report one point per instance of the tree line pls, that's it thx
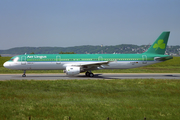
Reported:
(87, 49)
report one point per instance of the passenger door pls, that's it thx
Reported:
(58, 59)
(144, 58)
(23, 60)
(100, 58)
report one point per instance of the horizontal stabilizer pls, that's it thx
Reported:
(163, 58)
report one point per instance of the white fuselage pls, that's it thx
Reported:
(51, 65)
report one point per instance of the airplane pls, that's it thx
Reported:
(73, 64)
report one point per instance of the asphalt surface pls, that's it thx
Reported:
(104, 76)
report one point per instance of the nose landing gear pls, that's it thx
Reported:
(24, 74)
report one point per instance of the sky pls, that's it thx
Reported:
(65, 23)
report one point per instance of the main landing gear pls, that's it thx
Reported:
(24, 74)
(89, 74)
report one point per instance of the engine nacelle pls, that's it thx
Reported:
(72, 71)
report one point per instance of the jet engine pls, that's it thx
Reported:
(72, 71)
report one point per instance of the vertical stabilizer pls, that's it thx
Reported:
(159, 46)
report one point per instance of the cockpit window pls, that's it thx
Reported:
(11, 59)
(16, 59)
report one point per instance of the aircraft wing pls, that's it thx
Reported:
(97, 63)
(93, 65)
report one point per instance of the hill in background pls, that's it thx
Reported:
(88, 49)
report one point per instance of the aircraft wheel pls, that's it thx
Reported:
(87, 74)
(91, 75)
(23, 75)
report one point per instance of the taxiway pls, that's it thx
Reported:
(104, 76)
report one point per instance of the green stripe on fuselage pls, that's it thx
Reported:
(88, 57)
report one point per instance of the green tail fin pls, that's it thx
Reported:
(159, 46)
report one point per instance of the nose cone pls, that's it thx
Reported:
(6, 64)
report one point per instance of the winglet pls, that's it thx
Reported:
(159, 46)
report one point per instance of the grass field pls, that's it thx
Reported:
(170, 66)
(124, 99)
(90, 99)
